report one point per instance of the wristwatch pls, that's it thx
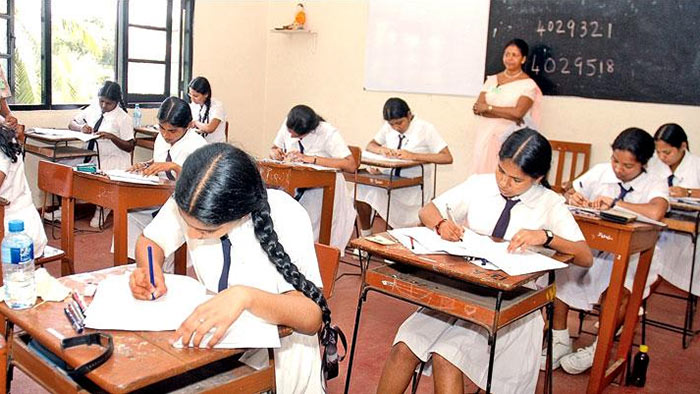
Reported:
(550, 237)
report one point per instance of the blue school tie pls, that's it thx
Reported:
(226, 248)
(91, 144)
(397, 171)
(301, 148)
(300, 191)
(670, 180)
(623, 192)
(502, 224)
(169, 174)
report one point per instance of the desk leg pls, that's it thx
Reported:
(324, 233)
(388, 205)
(689, 310)
(550, 323)
(67, 235)
(9, 332)
(356, 329)
(120, 236)
(606, 334)
(492, 340)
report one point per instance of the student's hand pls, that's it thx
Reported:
(374, 170)
(384, 151)
(155, 168)
(86, 129)
(602, 203)
(192, 125)
(480, 108)
(677, 191)
(577, 199)
(140, 283)
(219, 313)
(11, 121)
(298, 157)
(276, 154)
(451, 231)
(404, 154)
(526, 238)
(139, 167)
(106, 135)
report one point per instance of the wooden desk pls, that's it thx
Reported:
(100, 190)
(57, 148)
(150, 133)
(141, 360)
(684, 219)
(290, 177)
(389, 181)
(449, 284)
(623, 240)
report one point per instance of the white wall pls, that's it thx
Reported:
(260, 75)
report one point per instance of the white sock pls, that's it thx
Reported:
(366, 233)
(561, 335)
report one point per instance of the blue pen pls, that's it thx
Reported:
(150, 269)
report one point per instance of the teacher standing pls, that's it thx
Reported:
(508, 102)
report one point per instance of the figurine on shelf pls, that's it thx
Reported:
(299, 19)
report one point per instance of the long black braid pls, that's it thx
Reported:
(220, 183)
(8, 143)
(201, 85)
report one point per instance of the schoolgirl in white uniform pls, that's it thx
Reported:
(251, 245)
(680, 169)
(403, 136)
(173, 145)
(623, 182)
(107, 118)
(15, 189)
(538, 216)
(306, 137)
(208, 114)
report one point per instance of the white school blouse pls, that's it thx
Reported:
(421, 137)
(216, 111)
(581, 288)
(298, 361)
(117, 122)
(15, 189)
(478, 203)
(674, 251)
(324, 141)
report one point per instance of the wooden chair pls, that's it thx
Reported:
(56, 179)
(328, 261)
(574, 150)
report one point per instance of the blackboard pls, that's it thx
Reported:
(629, 50)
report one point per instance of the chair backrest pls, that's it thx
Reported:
(328, 262)
(564, 149)
(356, 155)
(55, 178)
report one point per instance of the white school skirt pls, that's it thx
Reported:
(136, 222)
(581, 287)
(343, 212)
(465, 345)
(674, 254)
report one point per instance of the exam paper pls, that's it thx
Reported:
(62, 133)
(426, 241)
(377, 157)
(114, 308)
(132, 177)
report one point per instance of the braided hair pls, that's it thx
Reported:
(112, 91)
(201, 85)
(220, 183)
(8, 143)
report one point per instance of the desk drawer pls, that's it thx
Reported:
(469, 302)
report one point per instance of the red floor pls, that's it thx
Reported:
(672, 369)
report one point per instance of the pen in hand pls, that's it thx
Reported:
(451, 218)
(150, 270)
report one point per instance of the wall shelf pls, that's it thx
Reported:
(303, 31)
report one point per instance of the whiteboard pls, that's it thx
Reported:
(426, 46)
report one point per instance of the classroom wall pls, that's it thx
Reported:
(326, 71)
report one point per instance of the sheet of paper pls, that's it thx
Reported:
(426, 241)
(132, 177)
(687, 200)
(300, 164)
(596, 212)
(62, 133)
(377, 157)
(114, 308)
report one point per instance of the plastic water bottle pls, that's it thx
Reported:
(137, 116)
(18, 267)
(639, 368)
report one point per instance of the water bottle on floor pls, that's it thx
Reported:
(18, 267)
(639, 368)
(137, 115)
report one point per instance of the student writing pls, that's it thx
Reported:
(208, 113)
(252, 246)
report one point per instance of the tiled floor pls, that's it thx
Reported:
(672, 369)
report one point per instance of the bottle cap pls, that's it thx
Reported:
(15, 226)
(643, 348)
